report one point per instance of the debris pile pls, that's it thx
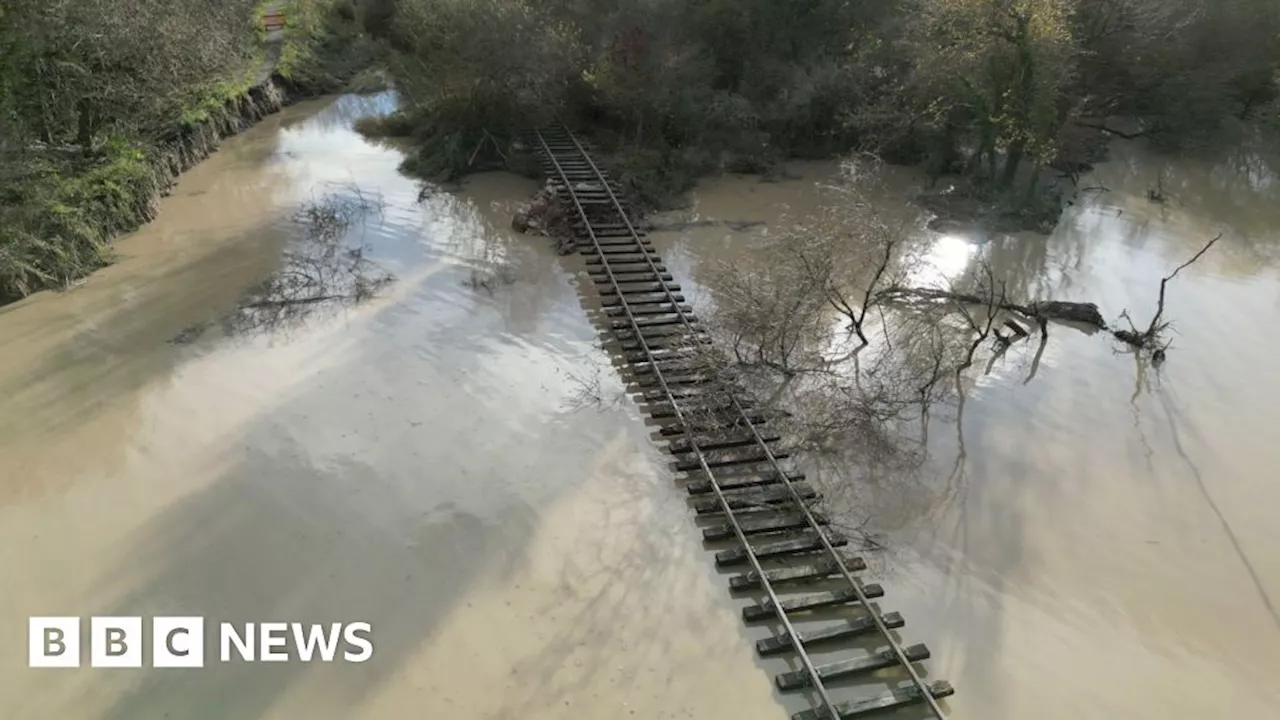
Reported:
(545, 215)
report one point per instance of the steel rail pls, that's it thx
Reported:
(921, 686)
(693, 443)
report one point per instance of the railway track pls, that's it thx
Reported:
(744, 491)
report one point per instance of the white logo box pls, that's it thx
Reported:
(179, 642)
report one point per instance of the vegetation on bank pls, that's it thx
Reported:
(987, 90)
(326, 49)
(91, 93)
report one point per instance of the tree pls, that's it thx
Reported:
(78, 68)
(1181, 66)
(474, 69)
(998, 70)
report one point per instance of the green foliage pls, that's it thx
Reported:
(210, 100)
(493, 64)
(305, 28)
(670, 88)
(655, 178)
(996, 86)
(673, 88)
(476, 74)
(86, 88)
(57, 225)
(666, 89)
(76, 70)
(998, 70)
(90, 88)
(326, 51)
(376, 17)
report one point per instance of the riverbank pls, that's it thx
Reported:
(59, 219)
(986, 102)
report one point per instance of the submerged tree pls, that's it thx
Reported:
(846, 324)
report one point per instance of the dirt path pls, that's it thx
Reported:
(274, 47)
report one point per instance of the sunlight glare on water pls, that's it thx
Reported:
(944, 262)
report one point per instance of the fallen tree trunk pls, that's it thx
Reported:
(1083, 313)
(1041, 312)
(1061, 310)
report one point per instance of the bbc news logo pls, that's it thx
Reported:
(179, 642)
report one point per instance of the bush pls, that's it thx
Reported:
(58, 225)
(327, 51)
(476, 65)
(667, 89)
(88, 91)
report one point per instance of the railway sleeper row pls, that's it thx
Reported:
(642, 288)
(899, 697)
(613, 227)
(744, 481)
(782, 522)
(622, 268)
(808, 543)
(766, 611)
(690, 375)
(627, 245)
(633, 299)
(748, 457)
(607, 229)
(720, 442)
(879, 660)
(660, 337)
(759, 499)
(650, 307)
(715, 423)
(663, 332)
(646, 369)
(620, 255)
(807, 573)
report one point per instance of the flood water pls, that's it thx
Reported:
(434, 461)
(422, 462)
(1096, 538)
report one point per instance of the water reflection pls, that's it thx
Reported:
(944, 262)
(410, 462)
(341, 112)
(1045, 551)
(323, 270)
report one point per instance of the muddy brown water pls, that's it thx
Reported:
(418, 462)
(433, 462)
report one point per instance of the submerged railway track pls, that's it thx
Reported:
(745, 494)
